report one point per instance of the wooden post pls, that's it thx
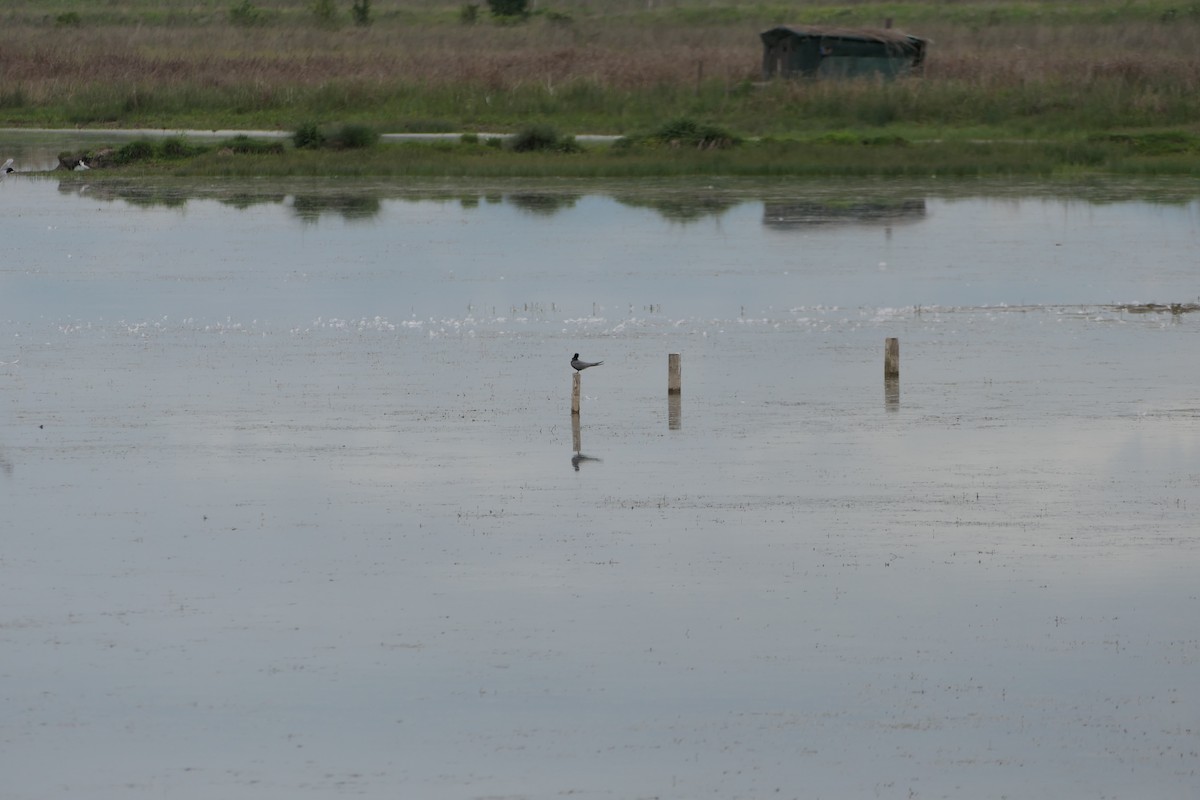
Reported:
(891, 359)
(674, 381)
(576, 438)
(577, 382)
(891, 374)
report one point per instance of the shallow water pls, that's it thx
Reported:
(294, 507)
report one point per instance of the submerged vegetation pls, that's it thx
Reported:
(1097, 84)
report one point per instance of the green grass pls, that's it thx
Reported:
(843, 153)
(1066, 75)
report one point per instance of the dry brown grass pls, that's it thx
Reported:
(48, 67)
(630, 57)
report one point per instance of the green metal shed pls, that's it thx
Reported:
(790, 51)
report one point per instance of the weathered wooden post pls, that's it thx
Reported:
(577, 382)
(891, 374)
(576, 437)
(891, 359)
(674, 393)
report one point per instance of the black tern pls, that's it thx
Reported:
(582, 365)
(7, 168)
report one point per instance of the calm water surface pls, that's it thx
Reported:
(294, 506)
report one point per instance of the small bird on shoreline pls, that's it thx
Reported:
(7, 168)
(582, 365)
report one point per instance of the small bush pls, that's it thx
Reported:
(361, 12)
(246, 15)
(685, 132)
(885, 140)
(509, 9)
(842, 138)
(1153, 143)
(244, 145)
(139, 150)
(69, 19)
(470, 138)
(534, 138)
(348, 137)
(325, 13)
(352, 137)
(469, 13)
(308, 135)
(13, 98)
(567, 144)
(177, 147)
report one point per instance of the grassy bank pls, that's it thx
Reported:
(996, 70)
(680, 148)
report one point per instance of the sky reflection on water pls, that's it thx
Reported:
(292, 508)
(313, 251)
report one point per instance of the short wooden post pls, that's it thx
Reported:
(576, 438)
(891, 359)
(577, 382)
(674, 381)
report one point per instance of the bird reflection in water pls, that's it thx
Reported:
(576, 442)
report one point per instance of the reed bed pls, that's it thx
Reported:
(1010, 69)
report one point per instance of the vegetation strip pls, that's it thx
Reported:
(680, 148)
(1006, 87)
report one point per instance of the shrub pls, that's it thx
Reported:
(176, 147)
(509, 8)
(567, 144)
(354, 137)
(325, 13)
(308, 135)
(246, 15)
(533, 138)
(469, 14)
(843, 138)
(244, 145)
(139, 150)
(349, 137)
(1153, 143)
(361, 12)
(69, 19)
(687, 132)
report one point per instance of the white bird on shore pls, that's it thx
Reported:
(7, 168)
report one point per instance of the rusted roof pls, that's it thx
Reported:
(882, 35)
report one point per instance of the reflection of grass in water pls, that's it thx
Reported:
(682, 199)
(355, 206)
(244, 200)
(679, 207)
(543, 203)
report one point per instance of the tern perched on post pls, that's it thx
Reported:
(582, 365)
